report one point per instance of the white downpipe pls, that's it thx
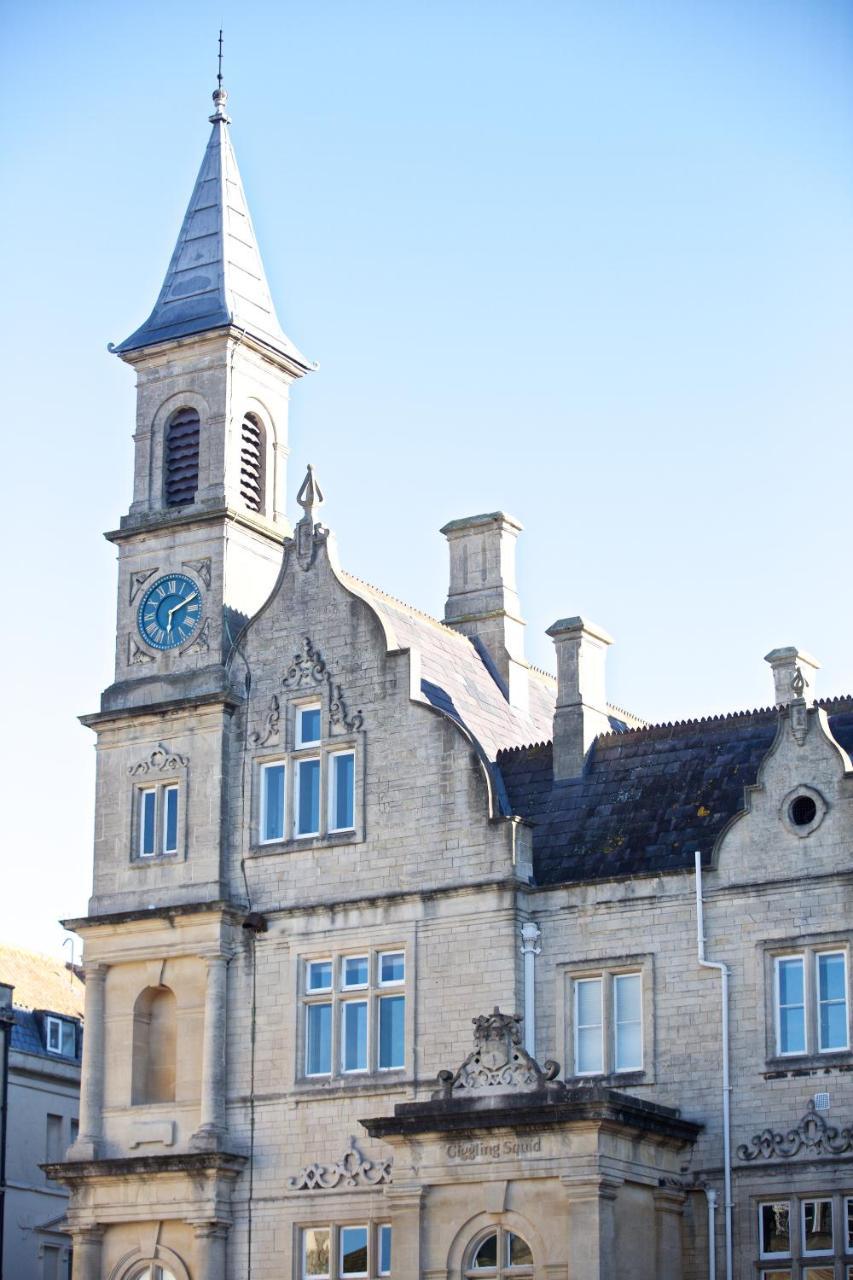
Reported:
(711, 1195)
(530, 949)
(727, 1127)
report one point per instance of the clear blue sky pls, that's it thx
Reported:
(587, 262)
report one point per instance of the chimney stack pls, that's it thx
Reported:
(793, 674)
(581, 711)
(482, 600)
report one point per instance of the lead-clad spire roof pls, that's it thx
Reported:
(216, 277)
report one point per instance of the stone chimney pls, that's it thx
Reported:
(581, 711)
(482, 601)
(793, 674)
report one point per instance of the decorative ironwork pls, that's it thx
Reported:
(161, 760)
(260, 738)
(812, 1135)
(352, 1170)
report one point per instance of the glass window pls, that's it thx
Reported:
(147, 823)
(487, 1254)
(170, 820)
(817, 1226)
(392, 967)
(307, 726)
(848, 1211)
(61, 1037)
(318, 1054)
(818, 1273)
(628, 1022)
(308, 798)
(319, 975)
(353, 1251)
(392, 1035)
(518, 1250)
(776, 1274)
(385, 1250)
(341, 791)
(272, 802)
(832, 1000)
(774, 1225)
(588, 1023)
(354, 1036)
(355, 971)
(316, 1253)
(501, 1253)
(791, 1005)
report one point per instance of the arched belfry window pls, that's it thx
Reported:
(252, 449)
(181, 458)
(155, 1043)
(499, 1254)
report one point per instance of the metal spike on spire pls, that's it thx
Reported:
(220, 95)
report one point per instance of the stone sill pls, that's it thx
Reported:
(334, 840)
(390, 1082)
(807, 1065)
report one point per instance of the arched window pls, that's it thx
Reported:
(155, 1033)
(499, 1253)
(153, 1272)
(181, 458)
(252, 449)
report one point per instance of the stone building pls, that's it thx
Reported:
(394, 957)
(40, 1089)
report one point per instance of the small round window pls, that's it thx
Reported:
(803, 810)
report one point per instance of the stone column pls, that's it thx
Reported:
(211, 1130)
(404, 1204)
(86, 1245)
(210, 1246)
(592, 1226)
(92, 1080)
(669, 1210)
(530, 949)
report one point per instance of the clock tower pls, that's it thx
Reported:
(200, 547)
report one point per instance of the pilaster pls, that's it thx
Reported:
(591, 1226)
(211, 1131)
(87, 1146)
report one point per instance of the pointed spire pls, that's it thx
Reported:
(216, 278)
(310, 495)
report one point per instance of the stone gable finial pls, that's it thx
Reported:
(306, 533)
(310, 495)
(499, 1063)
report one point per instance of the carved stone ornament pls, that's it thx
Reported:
(307, 667)
(136, 656)
(499, 1063)
(338, 715)
(201, 642)
(138, 580)
(261, 737)
(307, 534)
(352, 1170)
(812, 1135)
(161, 760)
(799, 721)
(201, 569)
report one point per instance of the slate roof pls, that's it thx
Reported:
(41, 985)
(215, 277)
(649, 797)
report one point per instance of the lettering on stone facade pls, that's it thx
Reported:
(508, 1148)
(161, 760)
(812, 1135)
(352, 1170)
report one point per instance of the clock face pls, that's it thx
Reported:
(170, 611)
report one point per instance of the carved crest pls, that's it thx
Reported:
(352, 1170)
(499, 1063)
(307, 667)
(812, 1135)
(161, 760)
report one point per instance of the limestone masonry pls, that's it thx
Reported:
(402, 957)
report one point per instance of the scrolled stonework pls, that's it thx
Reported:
(161, 760)
(138, 580)
(260, 737)
(338, 715)
(307, 667)
(201, 642)
(812, 1135)
(352, 1170)
(201, 569)
(499, 1063)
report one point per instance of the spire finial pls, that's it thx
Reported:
(310, 495)
(220, 95)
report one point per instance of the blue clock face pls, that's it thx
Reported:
(170, 611)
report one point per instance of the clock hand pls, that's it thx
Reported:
(179, 605)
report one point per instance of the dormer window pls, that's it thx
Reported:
(181, 458)
(60, 1036)
(252, 449)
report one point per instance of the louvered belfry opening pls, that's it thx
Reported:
(182, 458)
(252, 463)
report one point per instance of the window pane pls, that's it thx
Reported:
(392, 967)
(309, 725)
(343, 774)
(518, 1250)
(392, 1010)
(791, 981)
(832, 1001)
(849, 1209)
(354, 1037)
(589, 1055)
(273, 802)
(627, 1011)
(589, 1002)
(69, 1039)
(384, 1250)
(309, 798)
(817, 1226)
(589, 1050)
(318, 1060)
(147, 804)
(355, 971)
(53, 1041)
(354, 1251)
(319, 975)
(170, 820)
(792, 1020)
(316, 1246)
(487, 1254)
(819, 1273)
(792, 1031)
(775, 1225)
(775, 1274)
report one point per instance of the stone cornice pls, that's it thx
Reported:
(229, 910)
(73, 1172)
(137, 526)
